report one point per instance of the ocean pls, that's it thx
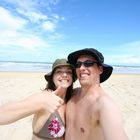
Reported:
(16, 66)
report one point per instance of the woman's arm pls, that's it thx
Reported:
(13, 111)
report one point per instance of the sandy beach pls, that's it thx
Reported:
(123, 88)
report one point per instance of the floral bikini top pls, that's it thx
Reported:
(53, 128)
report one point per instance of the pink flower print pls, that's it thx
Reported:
(55, 129)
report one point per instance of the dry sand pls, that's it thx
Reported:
(123, 88)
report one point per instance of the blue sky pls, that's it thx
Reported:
(43, 30)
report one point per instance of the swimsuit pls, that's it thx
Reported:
(53, 128)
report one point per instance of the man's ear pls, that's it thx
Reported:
(100, 69)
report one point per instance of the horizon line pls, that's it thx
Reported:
(116, 65)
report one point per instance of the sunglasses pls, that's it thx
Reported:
(87, 63)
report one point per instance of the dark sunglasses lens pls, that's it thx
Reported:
(85, 63)
(88, 63)
(78, 64)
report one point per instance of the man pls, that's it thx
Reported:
(91, 114)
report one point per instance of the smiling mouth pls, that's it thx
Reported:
(64, 80)
(82, 75)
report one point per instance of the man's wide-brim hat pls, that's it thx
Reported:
(60, 63)
(107, 69)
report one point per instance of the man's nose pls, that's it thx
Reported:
(82, 66)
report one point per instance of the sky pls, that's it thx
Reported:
(43, 30)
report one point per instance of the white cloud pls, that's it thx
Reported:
(124, 59)
(56, 36)
(14, 33)
(36, 12)
(132, 59)
(127, 53)
(23, 4)
(20, 39)
(7, 38)
(56, 16)
(9, 21)
(131, 47)
(33, 16)
(31, 9)
(31, 42)
(54, 2)
(13, 26)
(28, 26)
(49, 26)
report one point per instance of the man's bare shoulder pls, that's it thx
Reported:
(107, 104)
(105, 99)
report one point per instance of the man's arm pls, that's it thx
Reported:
(13, 111)
(111, 120)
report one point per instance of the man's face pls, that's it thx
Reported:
(87, 69)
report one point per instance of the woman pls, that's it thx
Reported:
(48, 109)
(60, 81)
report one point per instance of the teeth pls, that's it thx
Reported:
(64, 80)
(83, 75)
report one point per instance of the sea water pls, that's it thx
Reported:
(16, 66)
(24, 66)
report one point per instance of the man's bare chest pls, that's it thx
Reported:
(82, 112)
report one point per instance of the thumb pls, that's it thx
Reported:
(57, 97)
(60, 91)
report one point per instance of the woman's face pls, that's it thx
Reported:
(62, 77)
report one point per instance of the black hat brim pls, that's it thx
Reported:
(107, 71)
